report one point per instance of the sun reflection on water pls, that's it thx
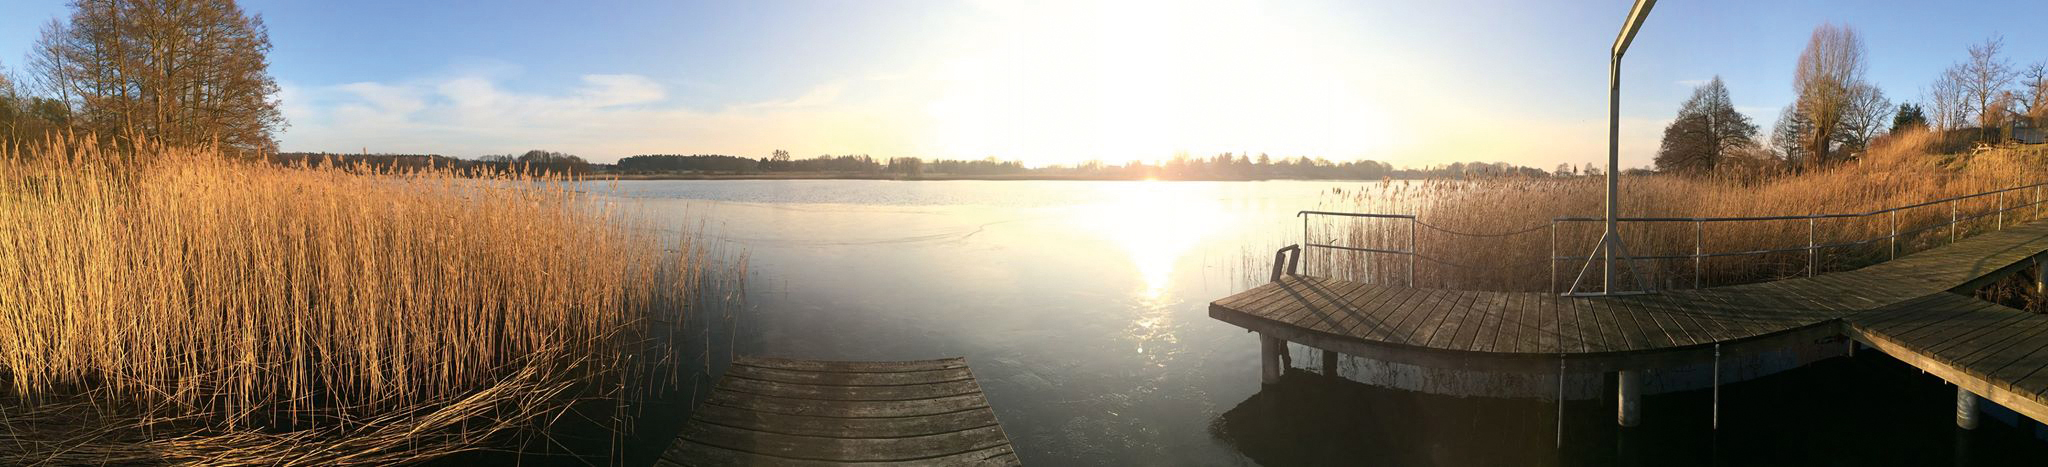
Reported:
(1155, 224)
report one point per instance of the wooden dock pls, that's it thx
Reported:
(1904, 307)
(771, 411)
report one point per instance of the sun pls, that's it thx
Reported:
(1065, 83)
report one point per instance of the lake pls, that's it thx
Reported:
(1081, 307)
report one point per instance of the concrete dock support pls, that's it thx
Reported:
(1966, 409)
(1270, 350)
(1329, 363)
(1629, 396)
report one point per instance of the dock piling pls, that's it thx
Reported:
(1270, 349)
(1330, 363)
(1966, 409)
(1630, 398)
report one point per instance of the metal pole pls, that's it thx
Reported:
(1560, 401)
(1607, 234)
(1812, 253)
(1699, 233)
(2001, 210)
(1553, 256)
(1304, 241)
(1414, 249)
(1717, 385)
(1952, 222)
(1894, 215)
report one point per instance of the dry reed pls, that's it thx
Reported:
(1496, 234)
(197, 309)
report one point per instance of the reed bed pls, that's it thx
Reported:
(196, 309)
(1497, 234)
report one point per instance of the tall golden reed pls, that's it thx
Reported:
(1512, 217)
(199, 309)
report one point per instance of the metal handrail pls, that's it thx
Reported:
(1413, 248)
(1813, 246)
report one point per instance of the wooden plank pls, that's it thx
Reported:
(1620, 322)
(1384, 311)
(841, 427)
(845, 449)
(1310, 298)
(1240, 299)
(1678, 330)
(841, 366)
(1358, 309)
(850, 393)
(846, 409)
(1327, 311)
(1411, 315)
(849, 378)
(1463, 315)
(691, 453)
(1439, 312)
(1501, 335)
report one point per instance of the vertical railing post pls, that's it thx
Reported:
(1952, 225)
(1894, 215)
(1414, 249)
(1304, 241)
(1553, 256)
(1812, 253)
(2037, 201)
(2001, 210)
(1699, 234)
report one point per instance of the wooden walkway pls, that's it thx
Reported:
(1993, 351)
(1903, 307)
(770, 411)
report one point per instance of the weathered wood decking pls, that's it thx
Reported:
(770, 411)
(1903, 307)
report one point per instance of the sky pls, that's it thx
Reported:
(1412, 83)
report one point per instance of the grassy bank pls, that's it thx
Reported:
(1495, 234)
(199, 309)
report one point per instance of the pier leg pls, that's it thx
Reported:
(1966, 409)
(1270, 350)
(1329, 363)
(1630, 398)
(2040, 278)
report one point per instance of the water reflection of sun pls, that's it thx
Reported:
(1156, 223)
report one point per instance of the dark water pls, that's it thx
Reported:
(1082, 308)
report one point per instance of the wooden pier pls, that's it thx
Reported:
(1906, 307)
(771, 411)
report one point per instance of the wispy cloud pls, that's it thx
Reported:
(603, 117)
(1693, 83)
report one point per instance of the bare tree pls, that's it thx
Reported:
(1869, 113)
(174, 71)
(1951, 108)
(1829, 73)
(1984, 76)
(2034, 86)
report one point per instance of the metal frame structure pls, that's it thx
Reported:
(1610, 243)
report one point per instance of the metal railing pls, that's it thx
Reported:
(1813, 247)
(1411, 252)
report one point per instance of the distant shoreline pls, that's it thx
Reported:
(942, 177)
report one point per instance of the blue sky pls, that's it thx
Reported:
(1413, 83)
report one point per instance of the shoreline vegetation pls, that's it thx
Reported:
(164, 304)
(1494, 234)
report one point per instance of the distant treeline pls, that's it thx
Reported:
(532, 161)
(1227, 166)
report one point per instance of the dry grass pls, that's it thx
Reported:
(203, 310)
(1901, 170)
